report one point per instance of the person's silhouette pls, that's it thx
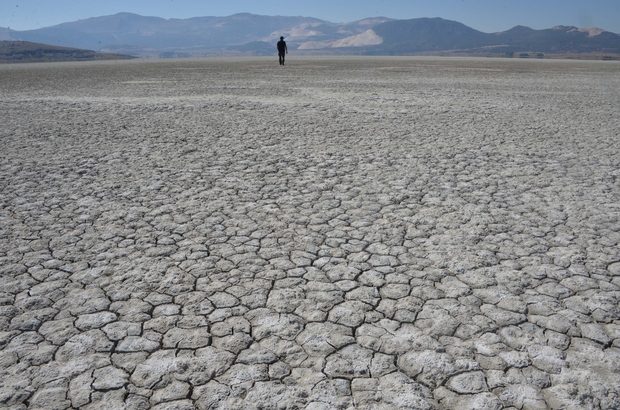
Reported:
(282, 50)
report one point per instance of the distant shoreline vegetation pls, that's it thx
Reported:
(24, 52)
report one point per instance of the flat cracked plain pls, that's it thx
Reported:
(339, 233)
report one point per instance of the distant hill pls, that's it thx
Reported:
(250, 34)
(158, 33)
(436, 34)
(428, 34)
(5, 34)
(560, 39)
(24, 51)
(153, 36)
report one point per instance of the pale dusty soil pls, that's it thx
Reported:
(388, 233)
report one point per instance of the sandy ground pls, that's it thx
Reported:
(387, 233)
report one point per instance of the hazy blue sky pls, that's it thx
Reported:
(484, 15)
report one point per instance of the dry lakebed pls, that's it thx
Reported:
(337, 233)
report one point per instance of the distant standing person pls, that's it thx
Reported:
(282, 50)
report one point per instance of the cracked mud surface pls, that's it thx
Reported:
(335, 234)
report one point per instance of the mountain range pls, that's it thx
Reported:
(250, 34)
